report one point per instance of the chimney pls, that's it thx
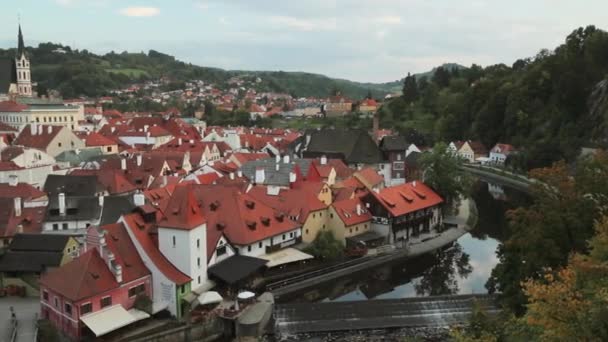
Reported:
(13, 180)
(139, 199)
(139, 159)
(33, 129)
(292, 177)
(278, 159)
(286, 159)
(123, 164)
(61, 204)
(232, 175)
(179, 142)
(164, 181)
(50, 129)
(259, 175)
(277, 166)
(17, 202)
(112, 129)
(239, 173)
(359, 212)
(100, 198)
(77, 151)
(323, 160)
(117, 270)
(40, 130)
(414, 184)
(146, 128)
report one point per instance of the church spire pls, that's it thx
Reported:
(21, 44)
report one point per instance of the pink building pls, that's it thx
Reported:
(95, 293)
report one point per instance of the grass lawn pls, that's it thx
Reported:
(129, 72)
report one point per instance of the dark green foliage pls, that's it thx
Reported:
(410, 89)
(541, 104)
(326, 247)
(441, 171)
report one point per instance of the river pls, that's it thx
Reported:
(462, 268)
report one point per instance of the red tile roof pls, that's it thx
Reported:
(142, 230)
(119, 242)
(23, 190)
(503, 148)
(183, 211)
(84, 277)
(207, 178)
(294, 202)
(243, 219)
(40, 141)
(11, 152)
(7, 128)
(407, 198)
(96, 139)
(370, 175)
(348, 212)
(30, 220)
(12, 106)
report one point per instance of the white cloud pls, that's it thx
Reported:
(140, 11)
(389, 19)
(304, 24)
(203, 5)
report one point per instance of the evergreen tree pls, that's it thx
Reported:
(410, 89)
(441, 77)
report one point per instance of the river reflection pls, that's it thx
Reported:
(461, 268)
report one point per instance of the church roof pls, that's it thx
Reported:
(21, 44)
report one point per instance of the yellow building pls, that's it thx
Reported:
(348, 218)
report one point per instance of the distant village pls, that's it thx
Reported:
(110, 217)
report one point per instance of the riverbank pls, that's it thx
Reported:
(460, 224)
(516, 181)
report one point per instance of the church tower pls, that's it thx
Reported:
(22, 66)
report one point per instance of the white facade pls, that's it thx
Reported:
(223, 250)
(55, 115)
(163, 289)
(35, 176)
(187, 250)
(32, 157)
(259, 247)
(24, 77)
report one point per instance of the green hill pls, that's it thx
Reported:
(79, 72)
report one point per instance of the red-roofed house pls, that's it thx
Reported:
(405, 210)
(169, 284)
(50, 139)
(500, 152)
(95, 293)
(368, 106)
(108, 146)
(370, 178)
(348, 218)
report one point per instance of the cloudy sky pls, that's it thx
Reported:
(362, 40)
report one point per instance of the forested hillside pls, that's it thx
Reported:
(79, 72)
(550, 104)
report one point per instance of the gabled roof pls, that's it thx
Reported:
(293, 202)
(370, 176)
(114, 207)
(407, 198)
(354, 146)
(272, 176)
(394, 143)
(478, 147)
(96, 139)
(352, 211)
(72, 185)
(503, 148)
(11, 152)
(141, 231)
(29, 261)
(7, 128)
(119, 243)
(30, 220)
(41, 139)
(23, 190)
(183, 211)
(88, 276)
(242, 218)
(12, 106)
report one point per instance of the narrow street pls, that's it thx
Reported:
(26, 311)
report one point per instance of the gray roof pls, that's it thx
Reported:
(114, 207)
(393, 143)
(8, 74)
(78, 208)
(83, 156)
(272, 176)
(38, 242)
(351, 145)
(72, 185)
(20, 261)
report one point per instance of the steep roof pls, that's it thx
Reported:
(141, 231)
(183, 211)
(119, 242)
(352, 211)
(242, 218)
(96, 139)
(72, 185)
(29, 261)
(294, 202)
(12, 106)
(354, 145)
(8, 75)
(88, 276)
(114, 207)
(23, 190)
(407, 198)
(30, 220)
(41, 139)
(393, 143)
(272, 176)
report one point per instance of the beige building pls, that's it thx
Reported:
(37, 111)
(51, 139)
(348, 218)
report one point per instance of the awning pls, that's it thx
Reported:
(285, 256)
(245, 295)
(112, 318)
(210, 297)
(236, 268)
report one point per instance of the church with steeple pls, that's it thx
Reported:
(15, 74)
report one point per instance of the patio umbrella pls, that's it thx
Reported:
(210, 297)
(246, 295)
